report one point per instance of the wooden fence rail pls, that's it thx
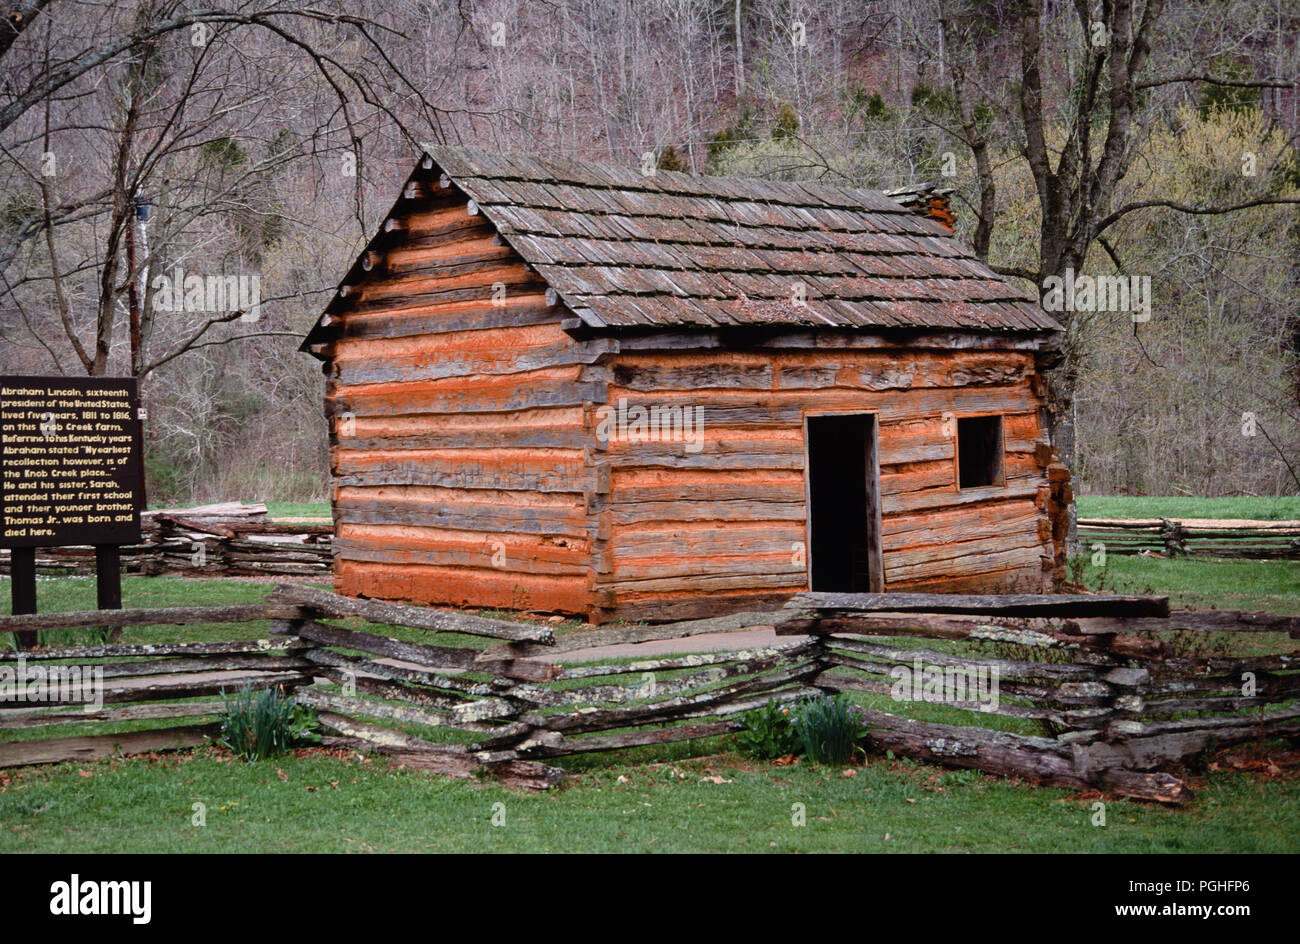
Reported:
(1257, 540)
(1091, 690)
(116, 684)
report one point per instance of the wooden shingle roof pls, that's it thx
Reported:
(674, 250)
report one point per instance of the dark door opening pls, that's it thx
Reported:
(844, 504)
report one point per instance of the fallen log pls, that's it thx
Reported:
(1013, 755)
(96, 747)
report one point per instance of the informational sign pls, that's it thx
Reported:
(70, 461)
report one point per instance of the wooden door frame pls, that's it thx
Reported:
(875, 551)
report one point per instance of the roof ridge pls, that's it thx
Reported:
(622, 178)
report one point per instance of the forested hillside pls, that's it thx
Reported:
(254, 145)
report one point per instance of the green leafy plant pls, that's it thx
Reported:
(255, 725)
(827, 729)
(768, 733)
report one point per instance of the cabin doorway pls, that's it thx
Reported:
(843, 487)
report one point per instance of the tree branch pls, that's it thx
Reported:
(1214, 80)
(1128, 208)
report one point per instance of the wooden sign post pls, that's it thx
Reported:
(71, 473)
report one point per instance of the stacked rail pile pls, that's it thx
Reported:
(222, 540)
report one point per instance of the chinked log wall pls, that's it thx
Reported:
(468, 472)
(1117, 707)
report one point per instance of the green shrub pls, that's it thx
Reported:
(672, 159)
(827, 729)
(768, 733)
(785, 127)
(255, 725)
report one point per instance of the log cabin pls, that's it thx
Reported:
(559, 386)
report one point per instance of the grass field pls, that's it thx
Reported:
(1202, 583)
(298, 509)
(321, 803)
(1286, 508)
(655, 799)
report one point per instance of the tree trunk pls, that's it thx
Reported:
(740, 57)
(1061, 382)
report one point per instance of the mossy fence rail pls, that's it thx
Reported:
(1094, 691)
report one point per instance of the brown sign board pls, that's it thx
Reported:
(70, 461)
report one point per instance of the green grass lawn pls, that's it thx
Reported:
(1179, 506)
(327, 804)
(1201, 582)
(298, 509)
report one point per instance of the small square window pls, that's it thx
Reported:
(979, 451)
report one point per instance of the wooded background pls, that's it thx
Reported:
(1144, 139)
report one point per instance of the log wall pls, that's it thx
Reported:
(681, 533)
(458, 438)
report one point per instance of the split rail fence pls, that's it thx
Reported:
(1095, 691)
(1259, 540)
